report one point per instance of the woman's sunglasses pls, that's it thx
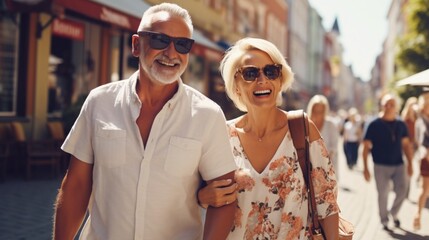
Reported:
(271, 71)
(161, 41)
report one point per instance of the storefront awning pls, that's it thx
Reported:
(27, 5)
(134, 8)
(123, 13)
(199, 38)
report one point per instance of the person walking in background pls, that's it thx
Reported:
(141, 146)
(422, 136)
(409, 116)
(318, 110)
(352, 134)
(387, 139)
(271, 199)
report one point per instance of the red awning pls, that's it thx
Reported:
(28, 5)
(102, 12)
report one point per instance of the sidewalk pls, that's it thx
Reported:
(26, 209)
(358, 202)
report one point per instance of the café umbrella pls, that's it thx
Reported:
(418, 79)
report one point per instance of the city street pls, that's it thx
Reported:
(358, 202)
(27, 207)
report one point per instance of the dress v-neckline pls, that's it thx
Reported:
(282, 143)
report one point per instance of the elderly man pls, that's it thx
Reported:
(387, 138)
(141, 146)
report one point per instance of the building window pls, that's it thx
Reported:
(9, 42)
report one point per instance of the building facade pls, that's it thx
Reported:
(58, 50)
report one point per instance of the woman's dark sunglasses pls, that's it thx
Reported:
(271, 71)
(161, 41)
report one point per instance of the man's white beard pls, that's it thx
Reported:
(164, 78)
(161, 74)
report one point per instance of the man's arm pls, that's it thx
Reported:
(366, 148)
(72, 199)
(409, 153)
(219, 220)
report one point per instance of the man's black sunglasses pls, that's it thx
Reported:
(251, 73)
(161, 41)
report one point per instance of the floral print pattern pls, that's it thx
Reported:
(273, 204)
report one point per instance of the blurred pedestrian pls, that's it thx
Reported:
(422, 135)
(272, 203)
(387, 139)
(318, 110)
(141, 147)
(352, 135)
(409, 116)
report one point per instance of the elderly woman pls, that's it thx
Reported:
(318, 109)
(271, 194)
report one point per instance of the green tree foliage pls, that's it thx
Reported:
(413, 55)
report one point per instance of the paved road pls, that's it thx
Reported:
(26, 208)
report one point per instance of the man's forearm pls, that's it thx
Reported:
(365, 157)
(72, 200)
(219, 221)
(409, 153)
(67, 218)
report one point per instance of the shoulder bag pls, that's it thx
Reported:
(298, 128)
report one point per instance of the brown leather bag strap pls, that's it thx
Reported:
(298, 128)
(297, 132)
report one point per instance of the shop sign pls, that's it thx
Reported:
(68, 29)
(115, 18)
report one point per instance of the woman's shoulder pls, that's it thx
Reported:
(313, 132)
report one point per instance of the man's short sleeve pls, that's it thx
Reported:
(78, 142)
(217, 158)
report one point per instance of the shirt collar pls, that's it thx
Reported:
(171, 103)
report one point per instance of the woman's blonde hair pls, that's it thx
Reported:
(410, 109)
(317, 99)
(423, 101)
(229, 64)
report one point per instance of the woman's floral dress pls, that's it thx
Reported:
(273, 204)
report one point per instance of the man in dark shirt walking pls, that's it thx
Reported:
(387, 138)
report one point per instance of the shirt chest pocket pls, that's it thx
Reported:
(183, 156)
(110, 147)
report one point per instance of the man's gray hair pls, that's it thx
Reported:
(171, 8)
